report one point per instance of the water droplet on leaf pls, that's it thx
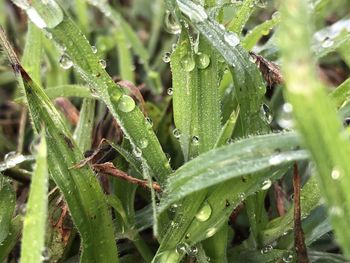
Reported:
(103, 63)
(166, 57)
(204, 213)
(203, 60)
(65, 62)
(171, 26)
(170, 91)
(177, 133)
(231, 38)
(126, 103)
(266, 184)
(94, 49)
(187, 62)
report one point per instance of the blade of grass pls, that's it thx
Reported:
(324, 135)
(241, 17)
(80, 188)
(7, 206)
(69, 38)
(12, 238)
(341, 94)
(34, 225)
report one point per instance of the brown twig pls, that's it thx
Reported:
(299, 239)
(110, 169)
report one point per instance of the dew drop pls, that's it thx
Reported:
(210, 232)
(231, 38)
(149, 122)
(252, 59)
(287, 258)
(65, 62)
(266, 184)
(166, 57)
(94, 49)
(126, 103)
(102, 63)
(171, 26)
(143, 143)
(195, 140)
(173, 46)
(203, 60)
(170, 91)
(336, 174)
(285, 116)
(327, 43)
(177, 133)
(181, 248)
(137, 152)
(265, 113)
(188, 63)
(266, 249)
(192, 251)
(173, 208)
(204, 213)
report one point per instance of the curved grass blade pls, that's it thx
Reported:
(253, 36)
(324, 137)
(7, 206)
(241, 17)
(241, 158)
(80, 188)
(12, 238)
(341, 94)
(34, 225)
(71, 41)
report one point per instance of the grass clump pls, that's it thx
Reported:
(176, 131)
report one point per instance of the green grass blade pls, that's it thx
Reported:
(185, 84)
(341, 94)
(253, 36)
(80, 188)
(67, 36)
(324, 136)
(83, 132)
(9, 243)
(241, 17)
(241, 158)
(125, 60)
(7, 206)
(34, 225)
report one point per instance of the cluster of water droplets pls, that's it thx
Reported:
(184, 248)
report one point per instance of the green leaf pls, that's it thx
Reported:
(241, 17)
(34, 225)
(12, 238)
(341, 94)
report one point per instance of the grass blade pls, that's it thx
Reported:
(238, 159)
(34, 225)
(323, 136)
(7, 206)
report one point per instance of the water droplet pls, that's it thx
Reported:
(181, 248)
(94, 49)
(45, 255)
(149, 122)
(266, 249)
(210, 232)
(241, 196)
(195, 140)
(65, 62)
(143, 143)
(170, 91)
(173, 46)
(174, 224)
(336, 211)
(266, 184)
(187, 236)
(177, 133)
(252, 59)
(103, 63)
(192, 251)
(265, 113)
(336, 174)
(173, 208)
(10, 155)
(285, 116)
(126, 103)
(187, 62)
(327, 43)
(171, 26)
(137, 152)
(166, 57)
(287, 257)
(203, 60)
(204, 213)
(231, 38)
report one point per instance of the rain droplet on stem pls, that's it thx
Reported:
(177, 133)
(170, 91)
(171, 26)
(166, 57)
(103, 63)
(65, 62)
(231, 38)
(126, 103)
(203, 60)
(204, 213)
(187, 62)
